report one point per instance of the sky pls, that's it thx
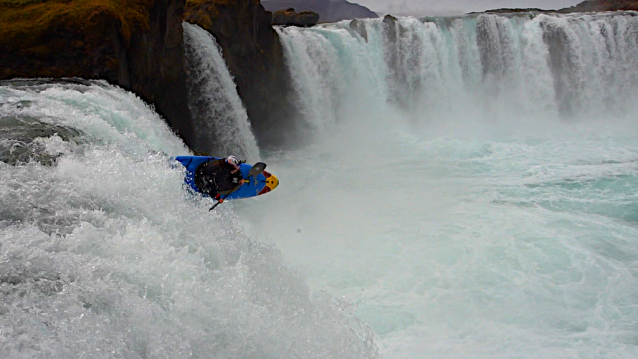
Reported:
(453, 7)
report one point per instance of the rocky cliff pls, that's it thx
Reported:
(136, 44)
(255, 58)
(290, 17)
(328, 10)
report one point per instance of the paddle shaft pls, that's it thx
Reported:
(254, 171)
(218, 202)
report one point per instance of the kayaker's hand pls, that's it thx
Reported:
(241, 182)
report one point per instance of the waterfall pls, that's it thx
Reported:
(221, 121)
(474, 187)
(487, 67)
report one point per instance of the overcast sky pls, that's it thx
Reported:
(453, 7)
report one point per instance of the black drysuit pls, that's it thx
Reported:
(216, 177)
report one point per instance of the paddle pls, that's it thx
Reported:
(258, 168)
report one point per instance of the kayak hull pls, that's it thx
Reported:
(254, 186)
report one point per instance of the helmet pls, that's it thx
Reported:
(233, 160)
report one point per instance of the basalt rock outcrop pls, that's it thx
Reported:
(289, 17)
(136, 44)
(254, 56)
(328, 10)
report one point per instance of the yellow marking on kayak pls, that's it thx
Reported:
(272, 182)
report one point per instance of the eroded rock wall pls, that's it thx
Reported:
(255, 58)
(137, 45)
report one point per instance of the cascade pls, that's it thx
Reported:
(221, 121)
(485, 66)
(473, 181)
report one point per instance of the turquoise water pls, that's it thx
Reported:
(476, 193)
(492, 246)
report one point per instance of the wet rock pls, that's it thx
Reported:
(255, 58)
(360, 27)
(289, 17)
(328, 10)
(136, 44)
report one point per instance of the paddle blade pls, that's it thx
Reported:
(258, 168)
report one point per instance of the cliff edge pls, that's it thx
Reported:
(255, 58)
(328, 10)
(136, 44)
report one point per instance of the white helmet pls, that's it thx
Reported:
(233, 160)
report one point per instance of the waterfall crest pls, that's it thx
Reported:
(487, 66)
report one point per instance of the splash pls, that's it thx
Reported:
(103, 253)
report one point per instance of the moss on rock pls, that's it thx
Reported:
(136, 44)
(29, 22)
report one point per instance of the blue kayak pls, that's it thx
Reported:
(254, 186)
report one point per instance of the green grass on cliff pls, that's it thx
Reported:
(28, 22)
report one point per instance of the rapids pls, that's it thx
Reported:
(103, 254)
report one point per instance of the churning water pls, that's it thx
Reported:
(471, 192)
(103, 254)
(473, 188)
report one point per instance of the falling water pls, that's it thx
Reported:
(104, 254)
(472, 185)
(221, 122)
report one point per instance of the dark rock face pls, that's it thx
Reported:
(155, 66)
(328, 10)
(289, 17)
(146, 57)
(255, 58)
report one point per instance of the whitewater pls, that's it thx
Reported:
(471, 191)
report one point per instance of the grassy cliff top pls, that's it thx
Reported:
(25, 23)
(203, 12)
